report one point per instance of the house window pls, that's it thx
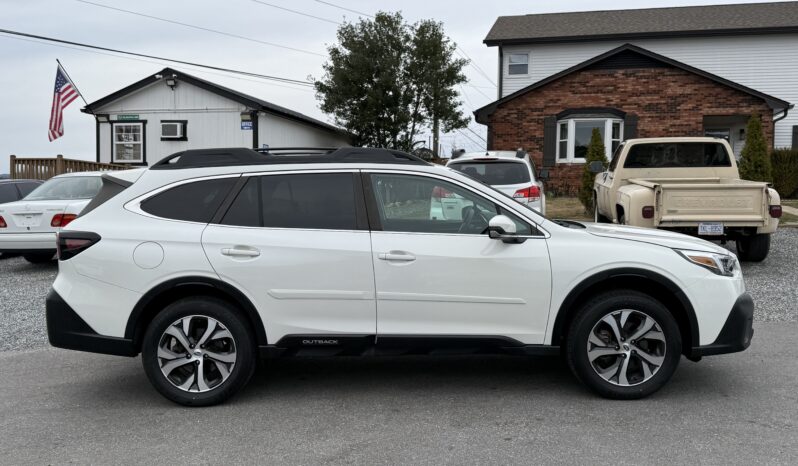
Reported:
(519, 63)
(573, 137)
(128, 142)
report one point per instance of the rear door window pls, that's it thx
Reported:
(495, 173)
(26, 188)
(323, 201)
(195, 201)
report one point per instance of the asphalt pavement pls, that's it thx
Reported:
(61, 407)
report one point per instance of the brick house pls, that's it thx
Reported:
(631, 91)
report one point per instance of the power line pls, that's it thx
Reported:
(183, 62)
(297, 12)
(201, 28)
(344, 8)
(476, 67)
(477, 134)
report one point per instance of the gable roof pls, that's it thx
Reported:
(638, 57)
(747, 18)
(245, 99)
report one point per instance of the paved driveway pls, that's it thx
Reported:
(62, 407)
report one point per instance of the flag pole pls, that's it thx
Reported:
(73, 82)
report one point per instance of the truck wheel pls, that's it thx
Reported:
(623, 345)
(198, 351)
(597, 217)
(753, 248)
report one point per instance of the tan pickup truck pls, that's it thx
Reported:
(688, 185)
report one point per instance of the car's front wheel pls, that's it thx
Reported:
(623, 345)
(198, 352)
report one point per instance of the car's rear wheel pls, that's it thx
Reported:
(198, 352)
(623, 345)
(39, 257)
(753, 248)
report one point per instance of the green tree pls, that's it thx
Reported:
(595, 152)
(386, 81)
(754, 162)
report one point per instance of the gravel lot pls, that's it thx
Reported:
(773, 284)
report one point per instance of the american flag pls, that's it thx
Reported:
(65, 93)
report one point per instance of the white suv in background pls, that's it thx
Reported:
(212, 258)
(511, 172)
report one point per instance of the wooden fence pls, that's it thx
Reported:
(46, 168)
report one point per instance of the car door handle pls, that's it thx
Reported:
(398, 256)
(240, 252)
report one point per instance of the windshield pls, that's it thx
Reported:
(495, 173)
(72, 187)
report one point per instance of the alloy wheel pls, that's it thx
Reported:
(626, 347)
(196, 353)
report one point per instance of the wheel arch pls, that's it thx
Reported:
(172, 290)
(646, 281)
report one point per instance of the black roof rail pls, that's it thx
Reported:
(199, 158)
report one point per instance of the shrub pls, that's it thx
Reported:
(785, 171)
(595, 151)
(754, 162)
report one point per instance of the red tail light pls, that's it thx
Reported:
(531, 193)
(775, 211)
(62, 220)
(648, 211)
(2, 222)
(438, 192)
(71, 243)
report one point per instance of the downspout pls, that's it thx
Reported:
(775, 120)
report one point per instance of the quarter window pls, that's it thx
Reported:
(128, 141)
(311, 201)
(197, 201)
(427, 205)
(8, 193)
(518, 63)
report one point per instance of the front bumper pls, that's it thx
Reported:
(23, 243)
(66, 329)
(736, 333)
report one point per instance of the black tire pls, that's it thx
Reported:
(39, 257)
(243, 344)
(597, 217)
(753, 248)
(577, 344)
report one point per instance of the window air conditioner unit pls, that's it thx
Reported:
(172, 130)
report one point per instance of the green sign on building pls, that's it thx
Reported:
(126, 117)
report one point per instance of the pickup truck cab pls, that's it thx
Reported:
(688, 185)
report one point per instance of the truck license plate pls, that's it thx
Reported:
(710, 228)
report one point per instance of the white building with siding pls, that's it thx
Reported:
(171, 111)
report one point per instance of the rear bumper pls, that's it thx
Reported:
(736, 333)
(66, 329)
(22, 243)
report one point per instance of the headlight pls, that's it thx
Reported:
(721, 264)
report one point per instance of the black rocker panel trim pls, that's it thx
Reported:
(397, 345)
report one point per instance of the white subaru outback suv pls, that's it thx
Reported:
(212, 258)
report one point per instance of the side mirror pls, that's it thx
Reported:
(596, 167)
(543, 175)
(502, 228)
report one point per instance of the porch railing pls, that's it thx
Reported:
(40, 168)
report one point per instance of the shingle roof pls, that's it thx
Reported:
(649, 22)
(481, 115)
(248, 100)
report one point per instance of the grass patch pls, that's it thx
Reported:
(566, 208)
(790, 202)
(788, 218)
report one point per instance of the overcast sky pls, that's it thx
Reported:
(27, 67)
